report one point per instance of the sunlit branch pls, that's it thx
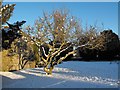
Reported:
(44, 60)
(62, 58)
(63, 50)
(44, 52)
(58, 49)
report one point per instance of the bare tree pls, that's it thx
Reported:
(57, 32)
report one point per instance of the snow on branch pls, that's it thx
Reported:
(62, 58)
(58, 49)
(44, 52)
(63, 50)
(83, 45)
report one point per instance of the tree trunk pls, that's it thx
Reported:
(48, 70)
(19, 64)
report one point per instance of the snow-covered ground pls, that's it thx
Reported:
(72, 74)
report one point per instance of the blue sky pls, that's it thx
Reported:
(90, 12)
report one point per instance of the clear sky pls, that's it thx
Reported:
(90, 12)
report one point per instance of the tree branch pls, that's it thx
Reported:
(83, 45)
(63, 50)
(44, 52)
(62, 58)
(23, 64)
(44, 60)
(59, 48)
(53, 54)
